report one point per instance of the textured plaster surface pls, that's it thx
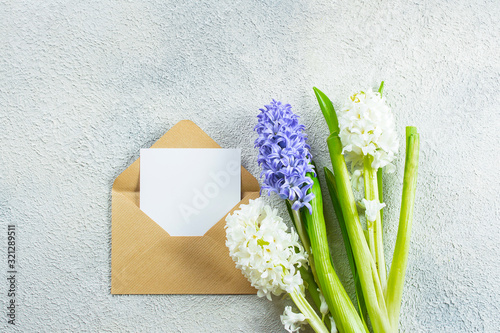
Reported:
(85, 85)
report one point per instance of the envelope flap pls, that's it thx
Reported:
(184, 134)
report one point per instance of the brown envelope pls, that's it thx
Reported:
(145, 259)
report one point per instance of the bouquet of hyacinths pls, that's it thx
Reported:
(361, 134)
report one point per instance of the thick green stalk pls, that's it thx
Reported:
(375, 227)
(340, 306)
(372, 290)
(365, 264)
(332, 189)
(370, 237)
(312, 318)
(400, 259)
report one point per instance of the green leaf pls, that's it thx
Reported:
(332, 189)
(381, 88)
(328, 111)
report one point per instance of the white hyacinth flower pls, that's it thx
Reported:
(267, 255)
(334, 327)
(367, 128)
(292, 321)
(324, 306)
(372, 207)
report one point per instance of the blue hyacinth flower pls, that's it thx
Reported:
(284, 155)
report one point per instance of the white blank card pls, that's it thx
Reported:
(188, 190)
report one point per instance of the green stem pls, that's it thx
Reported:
(332, 189)
(375, 227)
(312, 318)
(308, 275)
(312, 287)
(371, 238)
(400, 259)
(379, 171)
(365, 264)
(300, 227)
(380, 195)
(304, 238)
(339, 303)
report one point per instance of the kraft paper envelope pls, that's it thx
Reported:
(145, 259)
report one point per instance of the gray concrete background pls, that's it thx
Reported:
(84, 86)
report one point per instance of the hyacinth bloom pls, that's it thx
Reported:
(372, 208)
(263, 250)
(367, 128)
(270, 257)
(292, 321)
(284, 155)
